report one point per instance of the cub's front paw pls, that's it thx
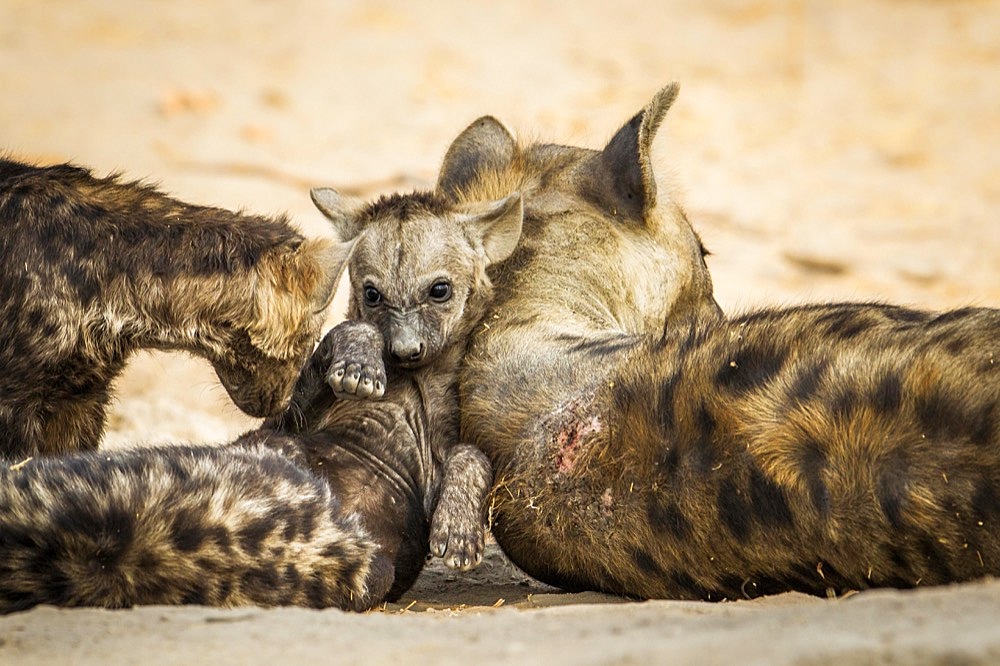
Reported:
(461, 546)
(356, 370)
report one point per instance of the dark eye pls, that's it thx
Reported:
(372, 296)
(440, 291)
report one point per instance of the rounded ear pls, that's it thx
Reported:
(342, 211)
(496, 225)
(484, 145)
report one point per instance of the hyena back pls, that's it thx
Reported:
(177, 525)
(643, 445)
(93, 269)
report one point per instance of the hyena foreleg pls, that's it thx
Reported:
(458, 533)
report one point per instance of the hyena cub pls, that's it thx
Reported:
(387, 436)
(645, 445)
(334, 502)
(93, 269)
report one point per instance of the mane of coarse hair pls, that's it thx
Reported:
(403, 206)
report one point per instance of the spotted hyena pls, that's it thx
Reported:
(334, 502)
(94, 269)
(645, 445)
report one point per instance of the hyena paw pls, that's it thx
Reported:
(356, 369)
(461, 547)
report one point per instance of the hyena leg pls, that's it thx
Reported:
(356, 369)
(458, 533)
(348, 360)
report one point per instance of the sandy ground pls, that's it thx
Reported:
(827, 150)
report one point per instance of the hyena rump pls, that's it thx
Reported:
(646, 446)
(336, 501)
(93, 269)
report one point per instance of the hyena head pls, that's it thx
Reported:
(267, 343)
(418, 269)
(611, 210)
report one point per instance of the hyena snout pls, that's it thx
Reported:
(406, 345)
(258, 391)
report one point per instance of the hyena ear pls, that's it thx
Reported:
(497, 225)
(294, 284)
(482, 146)
(342, 211)
(621, 176)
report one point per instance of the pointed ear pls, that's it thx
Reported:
(342, 211)
(484, 145)
(497, 225)
(621, 176)
(332, 259)
(294, 283)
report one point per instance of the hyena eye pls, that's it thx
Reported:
(440, 291)
(372, 296)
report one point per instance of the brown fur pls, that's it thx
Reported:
(644, 445)
(335, 502)
(93, 269)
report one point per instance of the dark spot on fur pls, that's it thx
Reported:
(686, 586)
(845, 403)
(888, 395)
(667, 518)
(957, 346)
(733, 509)
(665, 406)
(953, 316)
(982, 427)
(317, 593)
(703, 450)
(334, 551)
(770, 505)
(892, 489)
(845, 323)
(904, 315)
(986, 500)
(262, 579)
(220, 535)
(603, 346)
(647, 565)
(808, 381)
(751, 367)
(197, 595)
(812, 463)
(937, 566)
(251, 536)
(938, 414)
(187, 533)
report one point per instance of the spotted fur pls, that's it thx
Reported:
(93, 269)
(646, 446)
(334, 502)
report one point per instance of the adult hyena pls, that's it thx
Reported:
(94, 269)
(646, 446)
(336, 501)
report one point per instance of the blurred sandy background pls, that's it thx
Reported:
(827, 150)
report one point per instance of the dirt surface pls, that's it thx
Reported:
(826, 149)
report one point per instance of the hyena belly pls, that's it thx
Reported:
(813, 449)
(177, 525)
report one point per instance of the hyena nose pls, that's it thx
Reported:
(408, 352)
